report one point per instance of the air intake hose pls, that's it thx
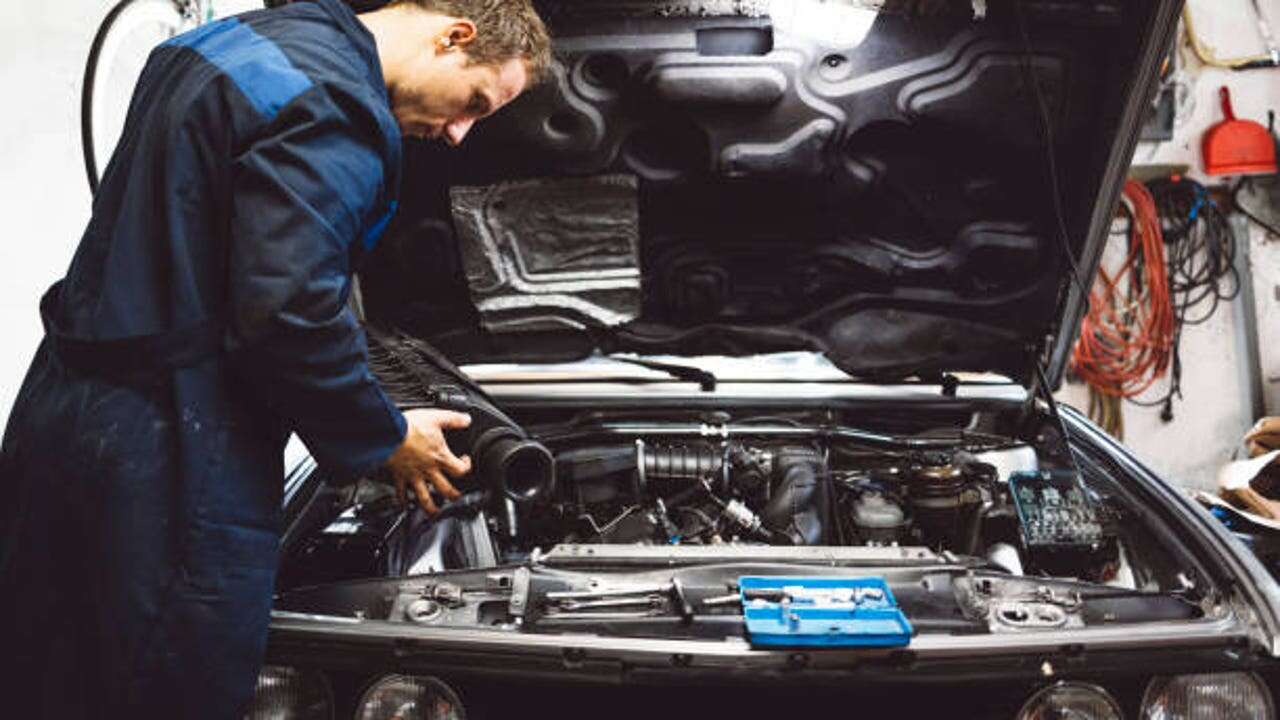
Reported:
(800, 507)
(509, 466)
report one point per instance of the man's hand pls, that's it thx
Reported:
(425, 457)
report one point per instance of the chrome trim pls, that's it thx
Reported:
(738, 654)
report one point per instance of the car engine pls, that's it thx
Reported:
(993, 489)
(751, 482)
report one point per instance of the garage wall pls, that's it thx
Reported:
(43, 192)
(43, 46)
(1214, 412)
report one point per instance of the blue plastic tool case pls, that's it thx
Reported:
(833, 612)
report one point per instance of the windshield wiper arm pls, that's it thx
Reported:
(705, 380)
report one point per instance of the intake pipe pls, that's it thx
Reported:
(800, 507)
(511, 468)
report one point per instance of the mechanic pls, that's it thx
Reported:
(203, 318)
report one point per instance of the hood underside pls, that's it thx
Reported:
(893, 184)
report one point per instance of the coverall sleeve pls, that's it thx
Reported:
(302, 199)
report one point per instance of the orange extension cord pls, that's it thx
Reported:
(1126, 338)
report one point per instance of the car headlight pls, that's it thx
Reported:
(1215, 696)
(410, 697)
(286, 693)
(1077, 701)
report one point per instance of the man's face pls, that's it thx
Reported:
(446, 95)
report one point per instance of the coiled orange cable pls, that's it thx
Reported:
(1126, 339)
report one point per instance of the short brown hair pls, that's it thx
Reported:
(505, 30)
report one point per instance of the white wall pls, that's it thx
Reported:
(45, 205)
(44, 199)
(1213, 414)
(44, 196)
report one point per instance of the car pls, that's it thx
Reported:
(757, 308)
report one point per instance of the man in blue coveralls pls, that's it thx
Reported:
(203, 318)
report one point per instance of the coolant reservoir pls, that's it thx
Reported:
(879, 519)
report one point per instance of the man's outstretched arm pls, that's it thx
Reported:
(302, 198)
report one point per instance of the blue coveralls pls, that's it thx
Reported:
(203, 317)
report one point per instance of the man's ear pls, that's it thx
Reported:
(459, 34)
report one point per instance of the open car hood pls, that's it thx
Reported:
(871, 180)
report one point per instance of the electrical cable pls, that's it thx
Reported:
(1200, 265)
(1179, 270)
(1105, 411)
(1127, 335)
(1201, 247)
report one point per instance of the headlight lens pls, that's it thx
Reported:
(1216, 696)
(410, 697)
(286, 693)
(1076, 701)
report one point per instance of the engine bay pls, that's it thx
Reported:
(982, 538)
(758, 481)
(592, 521)
(583, 512)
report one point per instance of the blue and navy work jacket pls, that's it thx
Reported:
(260, 163)
(204, 317)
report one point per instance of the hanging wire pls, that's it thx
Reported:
(1105, 411)
(1201, 266)
(1127, 336)
(1179, 270)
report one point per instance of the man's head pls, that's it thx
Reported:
(450, 63)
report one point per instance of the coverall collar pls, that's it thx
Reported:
(360, 36)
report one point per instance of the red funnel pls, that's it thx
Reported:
(1238, 147)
